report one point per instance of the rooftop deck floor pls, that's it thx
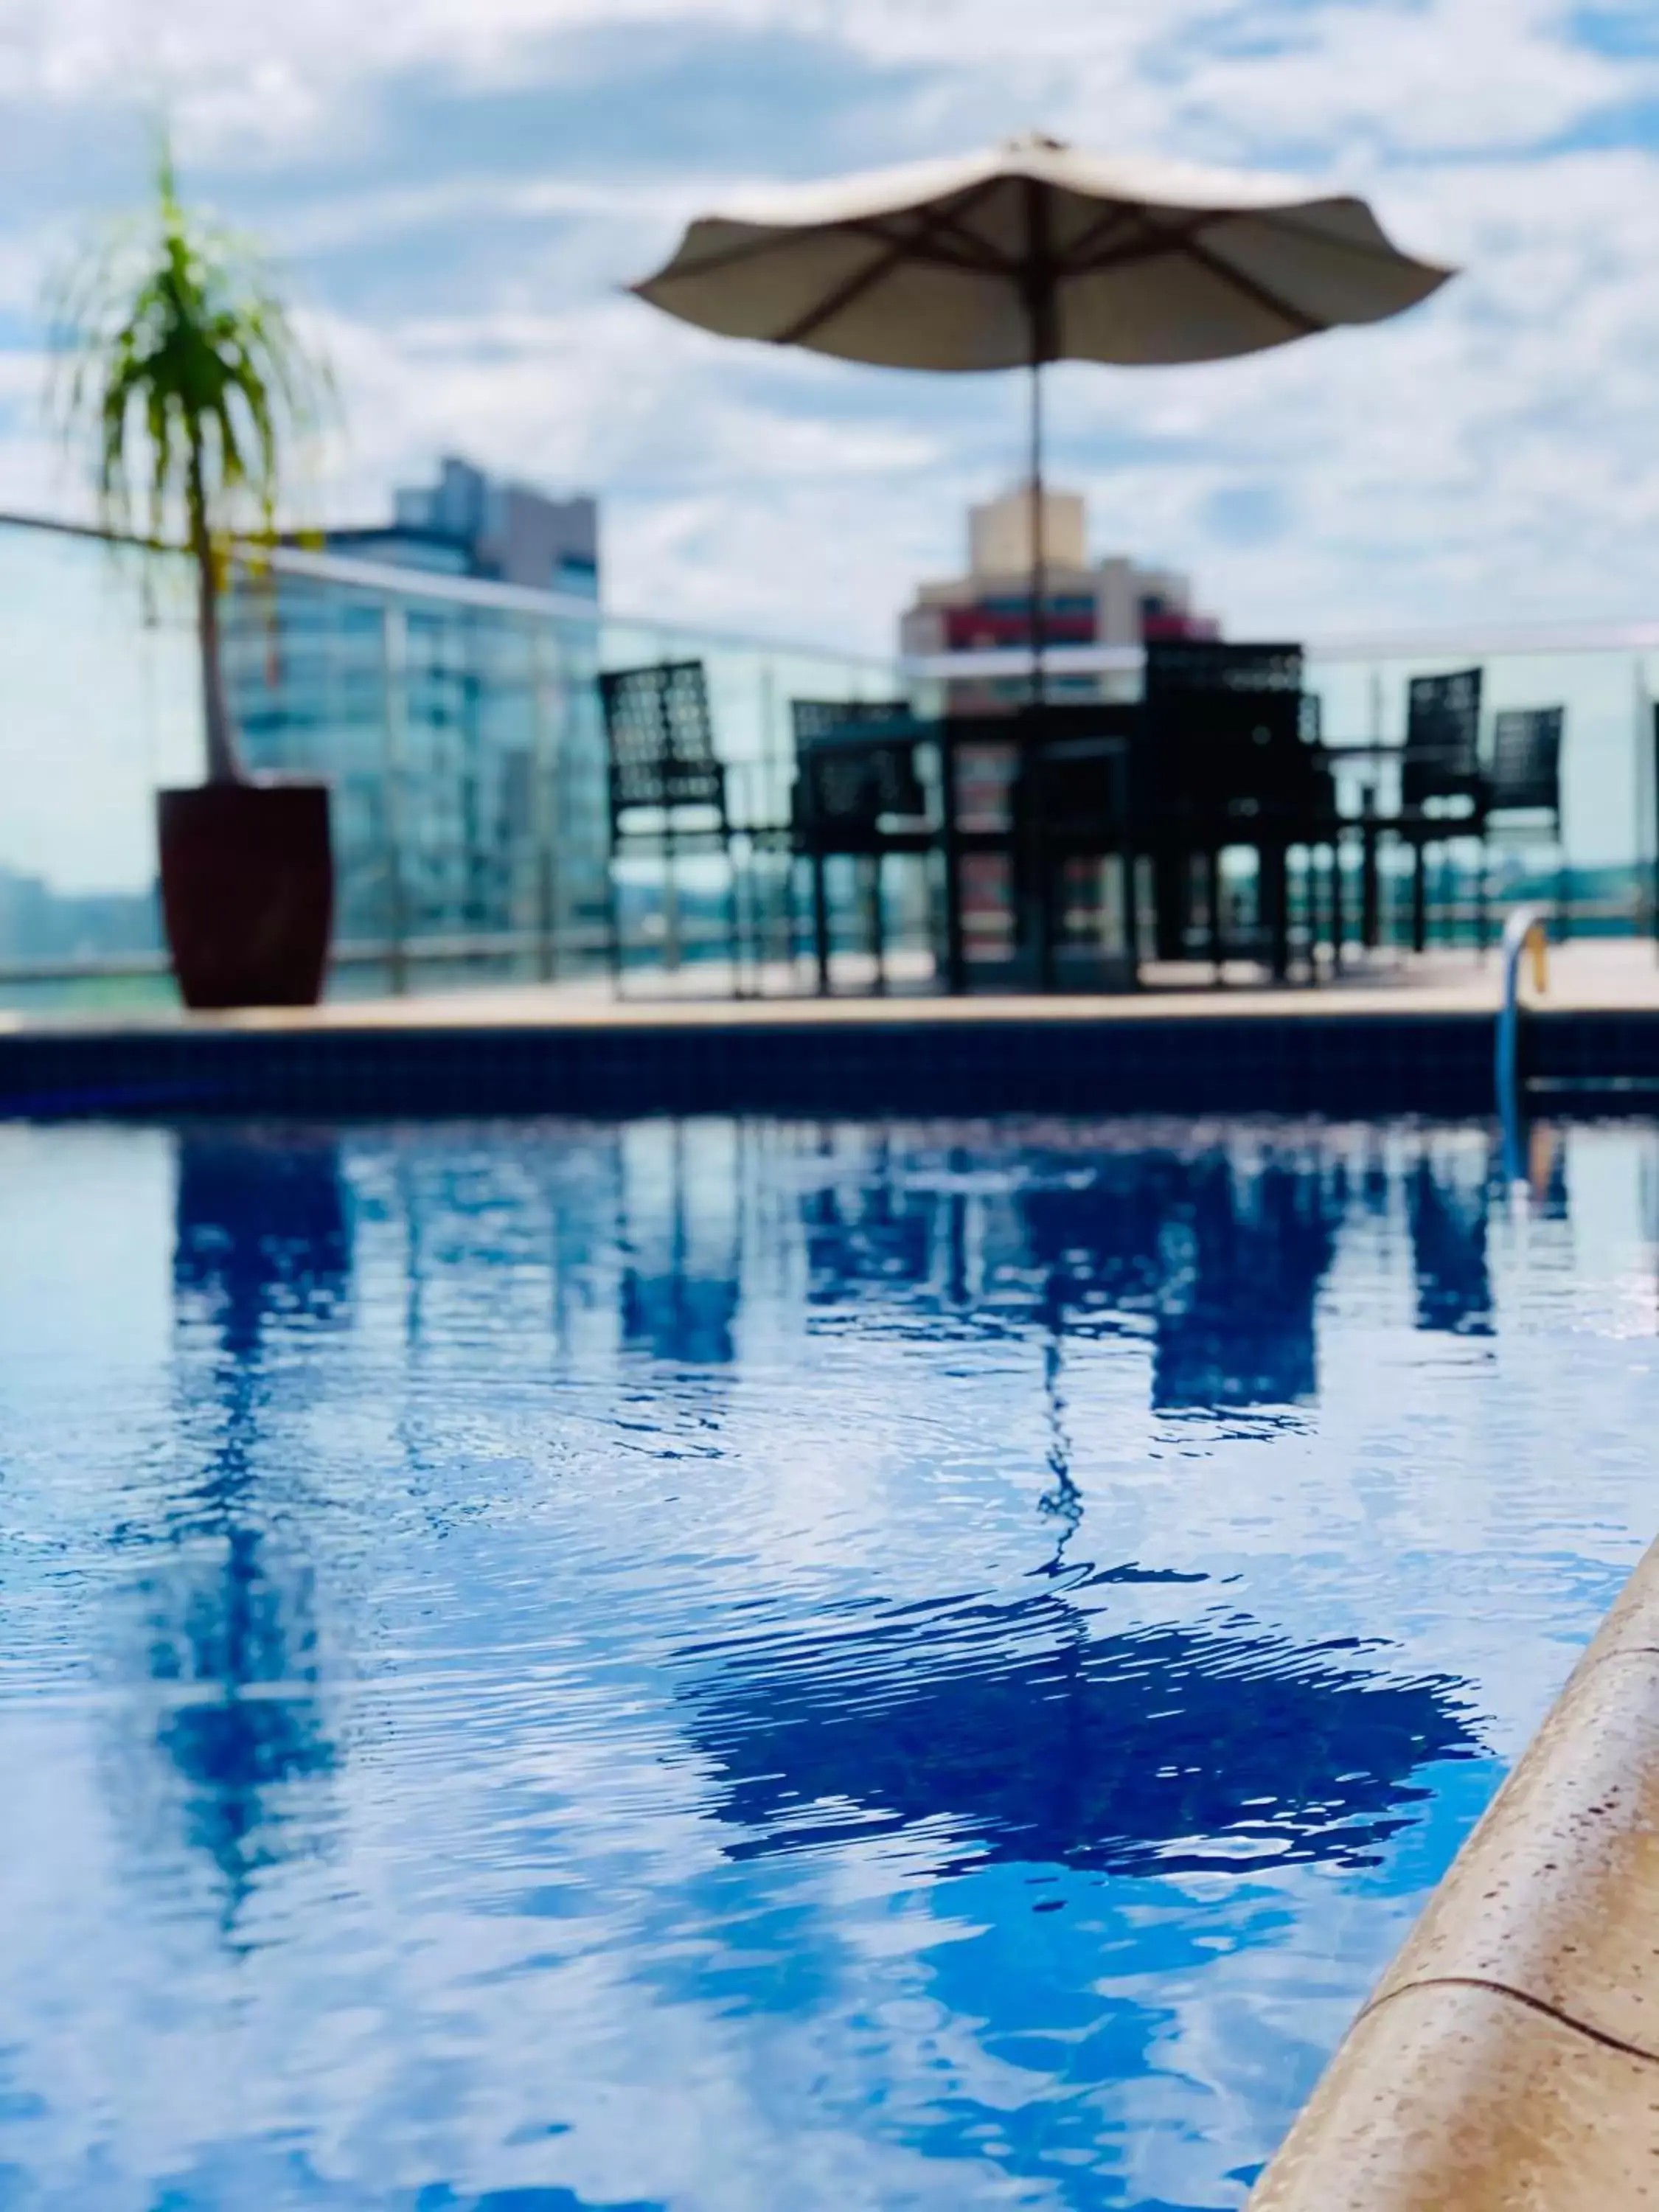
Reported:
(1612, 974)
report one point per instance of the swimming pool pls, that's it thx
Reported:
(744, 1664)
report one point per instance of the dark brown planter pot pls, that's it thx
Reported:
(247, 891)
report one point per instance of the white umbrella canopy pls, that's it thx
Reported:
(1038, 252)
(1035, 253)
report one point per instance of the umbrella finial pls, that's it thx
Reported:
(1034, 141)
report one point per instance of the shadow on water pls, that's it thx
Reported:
(262, 1245)
(1025, 1730)
(1017, 1733)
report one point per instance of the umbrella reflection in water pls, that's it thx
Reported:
(1015, 1731)
(1026, 1729)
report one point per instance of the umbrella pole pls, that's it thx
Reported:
(1039, 564)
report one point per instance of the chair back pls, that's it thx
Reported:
(1207, 665)
(815, 720)
(1526, 760)
(662, 738)
(1225, 738)
(847, 785)
(1442, 758)
(1073, 788)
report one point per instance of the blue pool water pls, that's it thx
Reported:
(745, 1666)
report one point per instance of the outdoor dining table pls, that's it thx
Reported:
(1373, 823)
(1001, 790)
(997, 777)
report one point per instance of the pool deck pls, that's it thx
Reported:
(1401, 1035)
(1605, 975)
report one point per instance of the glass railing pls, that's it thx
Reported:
(460, 726)
(97, 708)
(1601, 871)
(457, 723)
(1599, 874)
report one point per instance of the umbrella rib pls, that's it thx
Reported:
(919, 248)
(1183, 234)
(1075, 258)
(727, 257)
(1390, 255)
(855, 286)
(1153, 241)
(1304, 324)
(984, 257)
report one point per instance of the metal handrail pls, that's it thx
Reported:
(1528, 926)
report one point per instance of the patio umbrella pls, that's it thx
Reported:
(1035, 253)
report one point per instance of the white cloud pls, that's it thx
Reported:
(1486, 457)
(1416, 73)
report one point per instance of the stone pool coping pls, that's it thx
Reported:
(1510, 2056)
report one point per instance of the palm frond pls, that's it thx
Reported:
(175, 354)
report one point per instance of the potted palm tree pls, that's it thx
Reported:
(179, 364)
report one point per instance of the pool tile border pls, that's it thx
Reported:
(942, 1059)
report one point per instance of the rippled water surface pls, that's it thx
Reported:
(760, 1668)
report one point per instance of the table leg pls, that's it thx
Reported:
(877, 929)
(1128, 901)
(956, 965)
(1481, 902)
(1419, 896)
(821, 923)
(1276, 882)
(1169, 902)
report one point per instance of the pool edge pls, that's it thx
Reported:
(1069, 1058)
(1510, 2054)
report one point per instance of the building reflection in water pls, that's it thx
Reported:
(680, 1228)
(1240, 1332)
(1446, 1207)
(1220, 1261)
(1014, 1731)
(262, 1249)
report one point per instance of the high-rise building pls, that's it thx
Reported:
(469, 524)
(987, 612)
(453, 728)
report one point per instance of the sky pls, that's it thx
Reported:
(459, 190)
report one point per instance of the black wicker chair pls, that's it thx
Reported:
(1440, 771)
(1226, 759)
(1523, 785)
(663, 766)
(1072, 803)
(857, 796)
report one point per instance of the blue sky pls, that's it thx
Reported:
(460, 187)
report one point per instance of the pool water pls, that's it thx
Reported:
(747, 1665)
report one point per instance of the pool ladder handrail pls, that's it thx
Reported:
(1529, 925)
